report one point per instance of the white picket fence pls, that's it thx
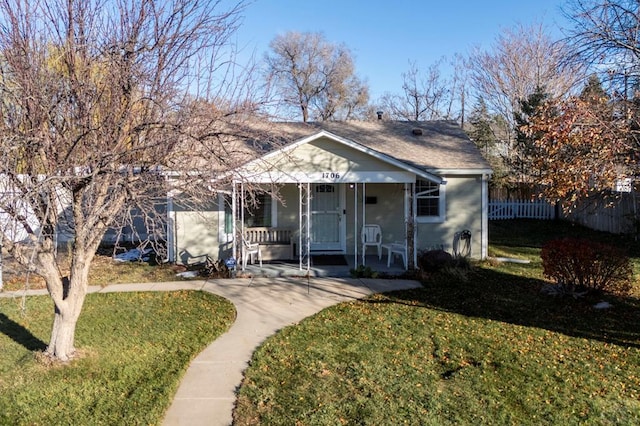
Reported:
(517, 209)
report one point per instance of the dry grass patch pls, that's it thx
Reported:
(104, 271)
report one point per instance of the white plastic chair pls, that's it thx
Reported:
(397, 247)
(371, 237)
(248, 251)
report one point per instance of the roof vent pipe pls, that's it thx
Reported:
(379, 114)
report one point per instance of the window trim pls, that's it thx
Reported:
(441, 216)
(225, 237)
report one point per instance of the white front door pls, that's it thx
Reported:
(327, 224)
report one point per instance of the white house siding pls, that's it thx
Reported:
(197, 235)
(463, 211)
(65, 234)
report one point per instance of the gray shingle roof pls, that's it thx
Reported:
(428, 145)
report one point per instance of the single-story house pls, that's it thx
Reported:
(423, 184)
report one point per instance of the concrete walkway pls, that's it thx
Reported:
(206, 395)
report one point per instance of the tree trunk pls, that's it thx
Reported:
(61, 346)
(67, 310)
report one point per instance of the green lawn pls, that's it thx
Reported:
(490, 349)
(135, 346)
(487, 350)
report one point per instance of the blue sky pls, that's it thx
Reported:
(384, 35)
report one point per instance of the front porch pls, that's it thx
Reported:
(292, 268)
(311, 219)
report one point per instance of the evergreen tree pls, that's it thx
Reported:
(593, 90)
(520, 158)
(482, 132)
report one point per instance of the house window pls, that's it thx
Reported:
(258, 212)
(429, 201)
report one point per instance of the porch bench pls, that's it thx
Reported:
(275, 243)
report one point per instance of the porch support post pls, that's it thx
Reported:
(308, 225)
(234, 217)
(304, 222)
(355, 224)
(241, 220)
(364, 219)
(410, 227)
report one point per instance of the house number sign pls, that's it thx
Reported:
(330, 175)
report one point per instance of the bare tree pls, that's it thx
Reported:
(521, 60)
(458, 90)
(428, 95)
(315, 77)
(606, 36)
(99, 98)
(344, 98)
(421, 95)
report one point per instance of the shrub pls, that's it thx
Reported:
(577, 264)
(434, 260)
(363, 272)
(439, 265)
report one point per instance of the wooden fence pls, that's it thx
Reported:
(618, 216)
